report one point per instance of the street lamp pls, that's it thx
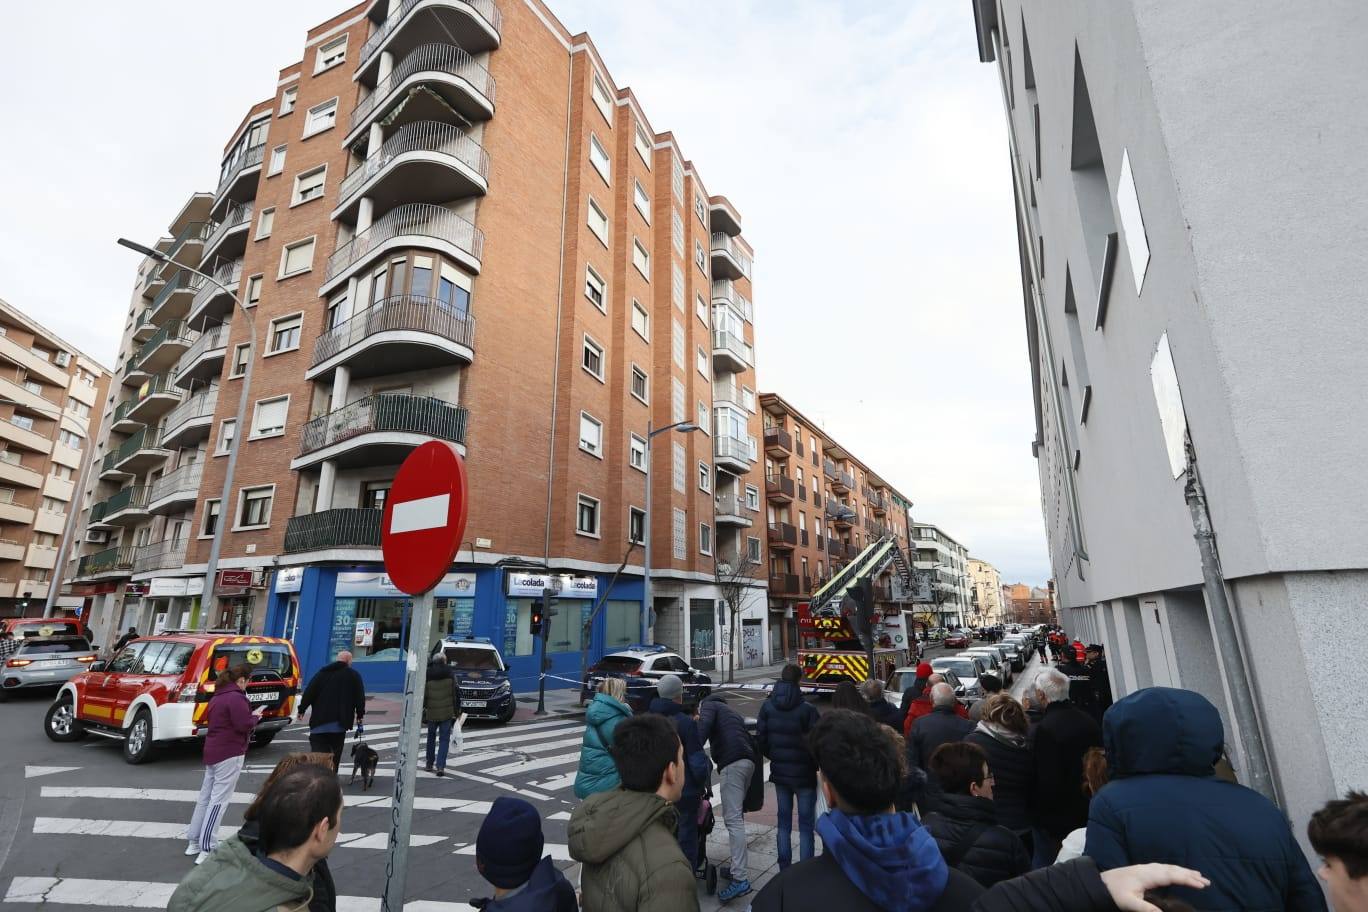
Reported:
(683, 427)
(239, 429)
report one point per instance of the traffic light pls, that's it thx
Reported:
(534, 620)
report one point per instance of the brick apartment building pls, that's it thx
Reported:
(823, 507)
(1030, 604)
(447, 221)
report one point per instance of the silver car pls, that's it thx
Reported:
(45, 662)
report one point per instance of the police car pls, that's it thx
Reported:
(641, 667)
(486, 692)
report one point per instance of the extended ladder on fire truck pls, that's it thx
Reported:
(869, 563)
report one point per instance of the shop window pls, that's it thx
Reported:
(622, 624)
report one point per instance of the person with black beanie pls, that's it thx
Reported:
(508, 854)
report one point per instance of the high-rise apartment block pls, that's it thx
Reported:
(946, 560)
(823, 506)
(50, 399)
(449, 221)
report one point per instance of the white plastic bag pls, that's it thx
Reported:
(457, 738)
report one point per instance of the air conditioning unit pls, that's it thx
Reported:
(97, 536)
(62, 359)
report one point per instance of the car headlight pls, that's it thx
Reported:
(503, 689)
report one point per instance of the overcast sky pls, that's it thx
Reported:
(862, 143)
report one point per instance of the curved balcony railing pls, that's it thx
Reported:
(429, 58)
(171, 331)
(431, 136)
(725, 290)
(726, 446)
(236, 217)
(395, 413)
(210, 339)
(734, 345)
(249, 158)
(229, 274)
(399, 13)
(193, 232)
(415, 219)
(185, 478)
(727, 244)
(200, 405)
(405, 313)
(345, 527)
(181, 281)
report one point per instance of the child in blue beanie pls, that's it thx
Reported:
(508, 854)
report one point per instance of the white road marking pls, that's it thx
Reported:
(470, 741)
(420, 802)
(526, 766)
(134, 894)
(557, 851)
(33, 772)
(558, 782)
(560, 815)
(146, 829)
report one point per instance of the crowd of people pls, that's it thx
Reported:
(1051, 802)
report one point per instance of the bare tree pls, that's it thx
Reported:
(734, 575)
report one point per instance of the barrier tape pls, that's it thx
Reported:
(713, 687)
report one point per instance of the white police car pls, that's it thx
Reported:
(641, 666)
(486, 692)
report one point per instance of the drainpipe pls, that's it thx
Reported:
(560, 304)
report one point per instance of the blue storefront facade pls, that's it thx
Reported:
(325, 609)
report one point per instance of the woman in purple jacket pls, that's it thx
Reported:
(231, 720)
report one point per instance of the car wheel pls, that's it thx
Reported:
(138, 741)
(263, 739)
(60, 724)
(507, 715)
(4, 695)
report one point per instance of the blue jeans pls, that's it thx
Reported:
(688, 828)
(807, 807)
(439, 733)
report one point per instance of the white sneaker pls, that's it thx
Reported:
(199, 859)
(192, 849)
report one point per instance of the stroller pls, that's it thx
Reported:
(706, 871)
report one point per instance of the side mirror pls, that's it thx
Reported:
(97, 666)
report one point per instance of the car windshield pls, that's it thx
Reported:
(469, 658)
(965, 668)
(619, 664)
(74, 644)
(262, 657)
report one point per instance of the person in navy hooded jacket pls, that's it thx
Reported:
(1164, 803)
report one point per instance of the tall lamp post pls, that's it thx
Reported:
(683, 427)
(239, 429)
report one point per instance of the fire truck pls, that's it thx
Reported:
(842, 637)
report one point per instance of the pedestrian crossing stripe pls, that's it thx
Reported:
(556, 850)
(190, 796)
(146, 829)
(136, 894)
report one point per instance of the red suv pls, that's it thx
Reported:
(158, 688)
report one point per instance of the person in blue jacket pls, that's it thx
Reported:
(697, 768)
(1165, 804)
(597, 771)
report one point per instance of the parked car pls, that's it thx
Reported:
(956, 639)
(966, 669)
(1004, 654)
(641, 667)
(996, 664)
(23, 628)
(157, 689)
(902, 678)
(45, 661)
(486, 692)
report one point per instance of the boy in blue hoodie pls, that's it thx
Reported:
(875, 859)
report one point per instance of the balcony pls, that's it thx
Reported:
(17, 431)
(135, 456)
(779, 488)
(167, 554)
(878, 505)
(127, 507)
(11, 550)
(117, 561)
(14, 473)
(228, 239)
(203, 360)
(450, 74)
(143, 327)
(188, 247)
(413, 225)
(421, 161)
(724, 291)
(239, 175)
(165, 347)
(41, 368)
(729, 258)
(842, 482)
(213, 304)
(839, 514)
(154, 398)
(735, 454)
(409, 330)
(349, 527)
(175, 490)
(731, 352)
(44, 558)
(12, 512)
(731, 510)
(829, 469)
(21, 393)
(173, 301)
(473, 24)
(784, 584)
(121, 422)
(190, 422)
(379, 430)
(722, 216)
(778, 443)
(835, 548)
(782, 537)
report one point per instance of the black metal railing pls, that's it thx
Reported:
(400, 11)
(431, 136)
(412, 219)
(412, 414)
(410, 313)
(429, 58)
(348, 527)
(107, 561)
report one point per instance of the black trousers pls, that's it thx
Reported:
(329, 743)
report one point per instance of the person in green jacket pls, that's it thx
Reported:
(625, 838)
(597, 771)
(300, 817)
(441, 707)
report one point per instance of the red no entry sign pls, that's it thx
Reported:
(425, 517)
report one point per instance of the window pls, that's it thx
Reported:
(677, 342)
(374, 494)
(748, 403)
(331, 54)
(288, 98)
(704, 538)
(241, 355)
(210, 520)
(643, 145)
(636, 447)
(592, 359)
(753, 550)
(253, 290)
(701, 309)
(594, 289)
(598, 157)
(591, 435)
(641, 320)
(700, 258)
(677, 232)
(53, 505)
(332, 315)
(677, 285)
(641, 259)
(269, 418)
(599, 92)
(587, 516)
(704, 477)
(701, 210)
(67, 438)
(23, 421)
(641, 201)
(309, 185)
(752, 497)
(678, 467)
(265, 221)
(678, 178)
(598, 222)
(1132, 222)
(679, 522)
(703, 417)
(701, 361)
(277, 161)
(284, 334)
(320, 117)
(297, 258)
(640, 387)
(676, 400)
(636, 525)
(59, 472)
(227, 430)
(254, 507)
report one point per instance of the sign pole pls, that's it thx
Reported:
(406, 765)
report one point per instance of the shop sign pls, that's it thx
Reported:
(174, 586)
(532, 585)
(289, 579)
(365, 633)
(374, 584)
(234, 580)
(135, 589)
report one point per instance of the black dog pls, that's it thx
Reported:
(364, 761)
